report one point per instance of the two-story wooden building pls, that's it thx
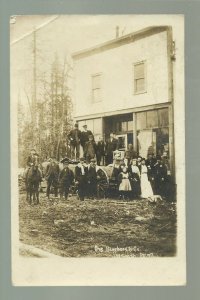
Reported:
(125, 85)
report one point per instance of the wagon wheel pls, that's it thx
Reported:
(73, 190)
(102, 185)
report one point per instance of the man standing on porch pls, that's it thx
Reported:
(74, 136)
(111, 145)
(85, 136)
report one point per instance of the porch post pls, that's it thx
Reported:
(134, 132)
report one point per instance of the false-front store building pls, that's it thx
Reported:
(125, 85)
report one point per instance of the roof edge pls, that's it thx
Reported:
(117, 42)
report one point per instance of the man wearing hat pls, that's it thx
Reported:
(66, 179)
(81, 178)
(32, 158)
(90, 149)
(85, 136)
(92, 179)
(100, 151)
(160, 173)
(111, 145)
(52, 174)
(75, 136)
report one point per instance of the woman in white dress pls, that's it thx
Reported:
(146, 189)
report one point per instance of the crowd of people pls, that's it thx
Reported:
(134, 177)
(102, 151)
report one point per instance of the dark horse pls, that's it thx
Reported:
(33, 179)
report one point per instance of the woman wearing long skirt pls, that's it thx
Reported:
(146, 189)
(135, 179)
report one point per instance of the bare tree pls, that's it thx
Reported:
(50, 107)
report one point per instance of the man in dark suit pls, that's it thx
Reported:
(160, 173)
(81, 179)
(75, 137)
(150, 163)
(85, 136)
(52, 174)
(66, 178)
(111, 145)
(100, 151)
(90, 149)
(92, 179)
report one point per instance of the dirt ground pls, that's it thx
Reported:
(99, 228)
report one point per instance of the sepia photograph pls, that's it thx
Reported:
(97, 147)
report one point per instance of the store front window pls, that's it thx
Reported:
(153, 132)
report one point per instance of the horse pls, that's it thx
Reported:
(32, 180)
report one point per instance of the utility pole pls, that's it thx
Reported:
(34, 98)
(35, 114)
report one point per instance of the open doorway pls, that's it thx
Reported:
(122, 126)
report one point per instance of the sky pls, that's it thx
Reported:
(89, 29)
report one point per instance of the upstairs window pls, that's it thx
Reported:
(96, 88)
(139, 78)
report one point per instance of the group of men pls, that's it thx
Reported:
(61, 179)
(85, 176)
(102, 151)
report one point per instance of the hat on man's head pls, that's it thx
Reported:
(158, 157)
(65, 160)
(85, 126)
(76, 125)
(36, 154)
(92, 160)
(82, 159)
(33, 149)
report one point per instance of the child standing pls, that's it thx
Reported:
(125, 185)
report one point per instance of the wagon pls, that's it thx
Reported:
(102, 182)
(107, 185)
(110, 190)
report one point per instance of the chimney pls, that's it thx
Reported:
(117, 32)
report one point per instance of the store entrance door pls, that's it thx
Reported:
(122, 141)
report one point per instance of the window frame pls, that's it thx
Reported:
(100, 88)
(145, 77)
